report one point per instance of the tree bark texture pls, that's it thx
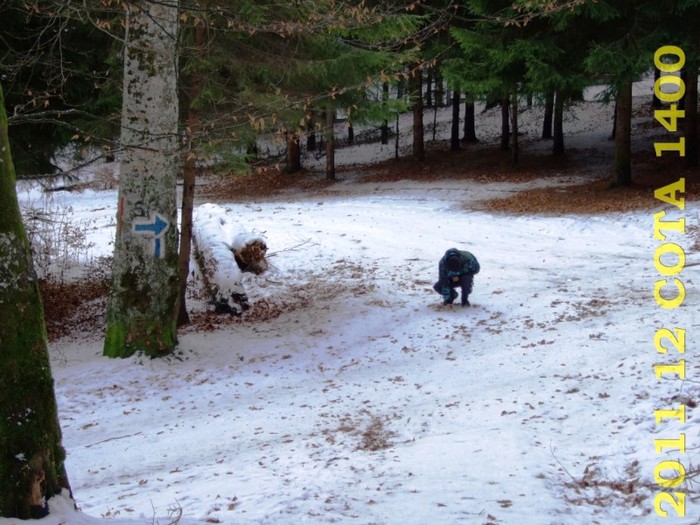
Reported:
(505, 124)
(330, 142)
(385, 124)
(189, 176)
(469, 123)
(515, 147)
(454, 134)
(143, 303)
(31, 455)
(558, 143)
(622, 175)
(293, 153)
(416, 87)
(548, 113)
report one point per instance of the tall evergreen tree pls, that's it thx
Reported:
(492, 62)
(32, 458)
(627, 34)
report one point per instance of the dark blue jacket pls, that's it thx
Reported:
(468, 267)
(468, 264)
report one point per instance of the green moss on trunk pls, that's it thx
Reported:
(144, 301)
(31, 455)
(124, 340)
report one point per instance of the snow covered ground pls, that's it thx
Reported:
(365, 401)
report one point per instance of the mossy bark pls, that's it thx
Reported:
(144, 299)
(31, 455)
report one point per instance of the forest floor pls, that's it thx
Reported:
(349, 394)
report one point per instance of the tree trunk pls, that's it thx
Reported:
(189, 176)
(416, 87)
(691, 119)
(656, 101)
(330, 142)
(31, 455)
(614, 126)
(515, 148)
(429, 88)
(548, 112)
(188, 185)
(396, 139)
(558, 144)
(623, 137)
(684, 81)
(505, 124)
(310, 131)
(293, 152)
(143, 303)
(454, 136)
(385, 124)
(439, 99)
(469, 123)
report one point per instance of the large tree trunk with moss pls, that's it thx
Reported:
(31, 456)
(143, 303)
(622, 167)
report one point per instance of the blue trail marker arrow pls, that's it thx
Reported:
(155, 226)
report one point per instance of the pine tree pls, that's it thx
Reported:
(627, 34)
(31, 455)
(492, 62)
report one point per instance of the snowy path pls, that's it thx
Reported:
(365, 402)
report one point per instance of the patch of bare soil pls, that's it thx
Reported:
(263, 182)
(477, 163)
(473, 162)
(601, 196)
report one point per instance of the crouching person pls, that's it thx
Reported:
(456, 270)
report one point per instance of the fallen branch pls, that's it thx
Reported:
(293, 248)
(112, 439)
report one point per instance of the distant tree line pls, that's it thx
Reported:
(287, 68)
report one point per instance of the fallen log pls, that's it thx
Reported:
(222, 253)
